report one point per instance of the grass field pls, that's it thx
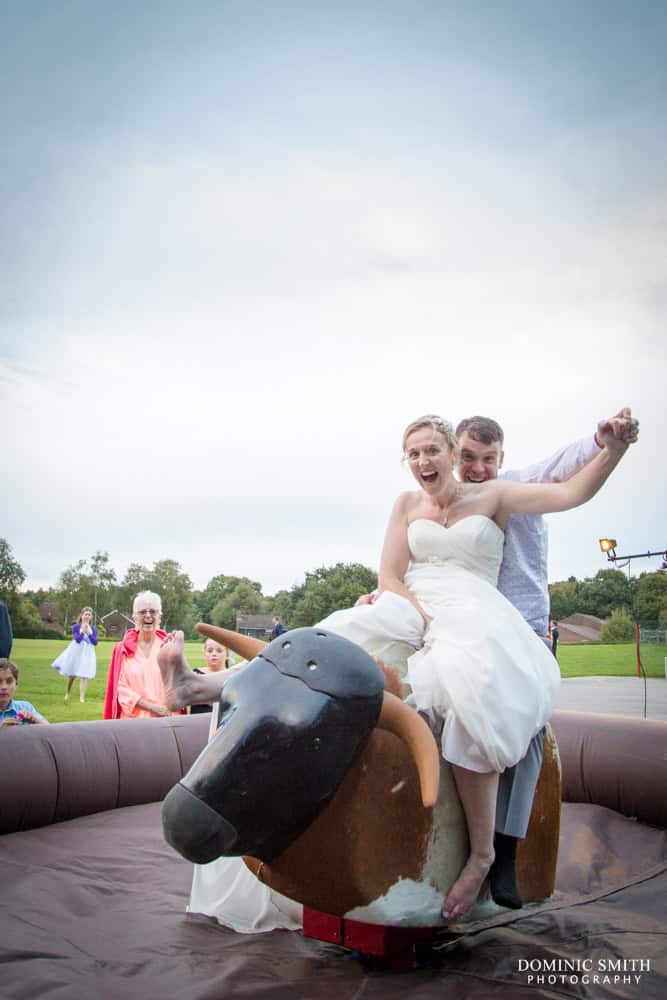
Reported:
(611, 661)
(45, 688)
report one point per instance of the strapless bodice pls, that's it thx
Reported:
(474, 544)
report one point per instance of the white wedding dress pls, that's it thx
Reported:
(484, 679)
(227, 890)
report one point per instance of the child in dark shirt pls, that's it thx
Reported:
(217, 659)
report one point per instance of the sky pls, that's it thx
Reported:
(243, 245)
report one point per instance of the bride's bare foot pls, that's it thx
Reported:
(180, 683)
(463, 894)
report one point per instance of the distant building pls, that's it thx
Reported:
(116, 624)
(51, 618)
(49, 613)
(580, 628)
(258, 626)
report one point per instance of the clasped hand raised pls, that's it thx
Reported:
(618, 432)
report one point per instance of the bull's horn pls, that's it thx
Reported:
(255, 866)
(404, 722)
(244, 645)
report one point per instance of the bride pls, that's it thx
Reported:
(483, 679)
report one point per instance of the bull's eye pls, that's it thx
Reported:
(312, 665)
(287, 644)
(317, 743)
(322, 635)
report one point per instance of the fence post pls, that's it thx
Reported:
(639, 661)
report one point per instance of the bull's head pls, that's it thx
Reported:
(291, 724)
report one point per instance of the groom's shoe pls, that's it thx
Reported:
(502, 874)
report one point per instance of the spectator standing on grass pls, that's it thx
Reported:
(12, 711)
(554, 637)
(278, 627)
(6, 637)
(78, 659)
(134, 685)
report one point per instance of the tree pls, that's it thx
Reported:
(280, 604)
(618, 627)
(22, 608)
(136, 579)
(27, 624)
(218, 589)
(607, 590)
(40, 595)
(650, 599)
(103, 578)
(243, 599)
(88, 583)
(563, 597)
(75, 590)
(175, 590)
(11, 577)
(170, 583)
(328, 589)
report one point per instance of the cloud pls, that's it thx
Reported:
(210, 348)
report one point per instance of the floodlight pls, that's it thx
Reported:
(608, 544)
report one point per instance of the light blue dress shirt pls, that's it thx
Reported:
(13, 709)
(523, 577)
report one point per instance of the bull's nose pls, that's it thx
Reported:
(194, 829)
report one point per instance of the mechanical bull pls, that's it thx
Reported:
(331, 788)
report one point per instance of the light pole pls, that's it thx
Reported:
(608, 545)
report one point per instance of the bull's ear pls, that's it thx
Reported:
(408, 725)
(245, 645)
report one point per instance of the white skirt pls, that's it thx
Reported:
(227, 890)
(391, 629)
(484, 680)
(77, 660)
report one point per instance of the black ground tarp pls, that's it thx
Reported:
(95, 908)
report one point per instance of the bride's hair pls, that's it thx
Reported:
(437, 423)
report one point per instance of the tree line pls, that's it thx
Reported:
(94, 583)
(619, 601)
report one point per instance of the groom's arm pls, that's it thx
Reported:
(568, 460)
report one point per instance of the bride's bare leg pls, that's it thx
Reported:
(182, 686)
(478, 798)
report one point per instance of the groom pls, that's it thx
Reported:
(523, 581)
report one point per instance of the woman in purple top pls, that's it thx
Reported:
(78, 660)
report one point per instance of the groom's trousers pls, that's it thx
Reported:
(516, 789)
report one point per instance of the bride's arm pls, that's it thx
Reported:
(548, 498)
(396, 555)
